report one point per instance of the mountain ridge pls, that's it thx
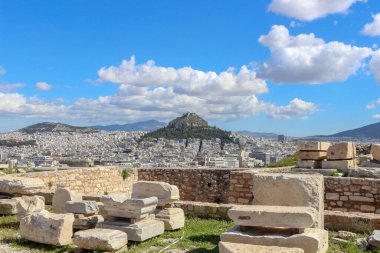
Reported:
(56, 127)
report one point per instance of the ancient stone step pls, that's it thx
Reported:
(313, 145)
(173, 218)
(273, 216)
(82, 207)
(166, 193)
(229, 247)
(20, 185)
(100, 239)
(340, 151)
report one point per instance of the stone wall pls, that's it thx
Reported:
(89, 181)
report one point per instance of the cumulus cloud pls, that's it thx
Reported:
(307, 59)
(375, 65)
(310, 9)
(2, 71)
(43, 86)
(376, 116)
(11, 86)
(372, 29)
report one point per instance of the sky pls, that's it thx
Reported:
(291, 67)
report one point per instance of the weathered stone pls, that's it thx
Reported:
(339, 164)
(375, 151)
(8, 206)
(166, 193)
(83, 222)
(362, 243)
(28, 204)
(47, 228)
(312, 240)
(374, 239)
(312, 155)
(20, 185)
(100, 239)
(82, 207)
(229, 247)
(313, 145)
(276, 189)
(173, 218)
(273, 216)
(346, 235)
(61, 196)
(337, 240)
(340, 151)
(129, 208)
(137, 232)
(313, 164)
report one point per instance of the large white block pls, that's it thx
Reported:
(173, 218)
(100, 239)
(340, 151)
(20, 185)
(230, 247)
(61, 196)
(339, 164)
(375, 151)
(166, 193)
(313, 145)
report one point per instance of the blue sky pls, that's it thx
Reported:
(298, 68)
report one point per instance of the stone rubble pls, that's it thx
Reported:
(312, 153)
(61, 196)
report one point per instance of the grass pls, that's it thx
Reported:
(198, 236)
(286, 161)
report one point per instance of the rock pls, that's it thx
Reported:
(229, 247)
(341, 151)
(8, 206)
(312, 240)
(362, 243)
(339, 164)
(375, 151)
(20, 185)
(129, 208)
(29, 204)
(166, 193)
(311, 155)
(374, 239)
(275, 189)
(61, 196)
(310, 164)
(273, 216)
(314, 145)
(47, 228)
(346, 235)
(82, 207)
(100, 239)
(82, 222)
(337, 240)
(137, 232)
(173, 218)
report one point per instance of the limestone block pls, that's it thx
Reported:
(20, 185)
(8, 206)
(82, 207)
(273, 216)
(313, 145)
(61, 196)
(374, 239)
(375, 151)
(229, 247)
(82, 222)
(339, 164)
(312, 240)
(137, 232)
(166, 193)
(275, 189)
(129, 208)
(100, 239)
(173, 218)
(29, 204)
(310, 164)
(312, 155)
(340, 151)
(47, 228)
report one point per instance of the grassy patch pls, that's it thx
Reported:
(286, 161)
(348, 247)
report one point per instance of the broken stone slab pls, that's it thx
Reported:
(173, 218)
(30, 204)
(8, 206)
(312, 240)
(82, 207)
(339, 164)
(20, 185)
(275, 189)
(100, 239)
(166, 193)
(137, 232)
(82, 222)
(374, 239)
(47, 228)
(229, 247)
(337, 240)
(273, 216)
(341, 151)
(312, 155)
(375, 151)
(129, 208)
(313, 146)
(61, 196)
(346, 235)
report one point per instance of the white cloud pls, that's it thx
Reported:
(308, 10)
(307, 59)
(374, 65)
(2, 71)
(372, 29)
(370, 106)
(44, 86)
(10, 86)
(373, 104)
(376, 116)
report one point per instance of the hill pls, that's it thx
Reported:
(371, 131)
(259, 134)
(56, 127)
(190, 126)
(146, 126)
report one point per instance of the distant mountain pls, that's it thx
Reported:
(146, 126)
(189, 126)
(259, 134)
(56, 127)
(371, 131)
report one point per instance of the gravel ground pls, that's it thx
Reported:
(5, 248)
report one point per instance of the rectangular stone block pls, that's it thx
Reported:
(312, 164)
(273, 216)
(82, 222)
(375, 152)
(229, 247)
(312, 240)
(8, 206)
(340, 151)
(166, 193)
(82, 207)
(100, 239)
(20, 185)
(313, 145)
(339, 164)
(311, 155)
(173, 218)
